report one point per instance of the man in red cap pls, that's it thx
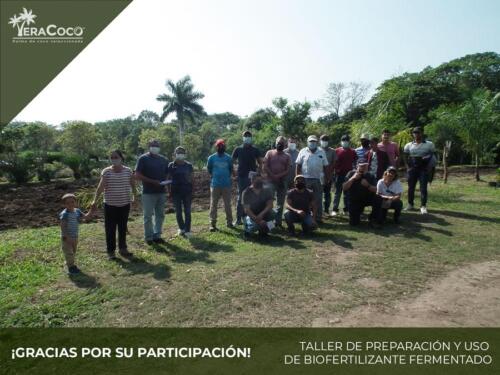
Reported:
(220, 168)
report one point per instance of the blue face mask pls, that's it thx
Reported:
(312, 145)
(247, 140)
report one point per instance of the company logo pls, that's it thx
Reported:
(28, 32)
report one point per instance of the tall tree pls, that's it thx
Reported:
(183, 101)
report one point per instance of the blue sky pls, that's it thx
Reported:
(242, 54)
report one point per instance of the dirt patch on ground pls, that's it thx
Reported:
(38, 204)
(466, 297)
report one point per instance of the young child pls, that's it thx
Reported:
(70, 218)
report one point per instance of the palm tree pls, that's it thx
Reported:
(182, 100)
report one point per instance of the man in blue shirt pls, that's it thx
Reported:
(362, 151)
(220, 168)
(249, 159)
(152, 170)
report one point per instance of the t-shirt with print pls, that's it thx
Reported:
(392, 151)
(312, 163)
(117, 189)
(395, 188)
(277, 162)
(247, 156)
(71, 220)
(257, 202)
(357, 192)
(301, 200)
(154, 167)
(181, 175)
(220, 168)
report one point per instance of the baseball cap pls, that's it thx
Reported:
(68, 195)
(220, 142)
(365, 136)
(312, 138)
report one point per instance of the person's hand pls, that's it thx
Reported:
(93, 205)
(301, 213)
(365, 183)
(356, 176)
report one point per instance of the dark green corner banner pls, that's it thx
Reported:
(39, 38)
(260, 351)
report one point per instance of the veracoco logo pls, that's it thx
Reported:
(49, 34)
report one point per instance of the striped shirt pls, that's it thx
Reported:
(71, 218)
(117, 189)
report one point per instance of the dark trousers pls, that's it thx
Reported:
(339, 181)
(397, 206)
(327, 196)
(243, 183)
(417, 175)
(182, 202)
(292, 217)
(356, 208)
(116, 217)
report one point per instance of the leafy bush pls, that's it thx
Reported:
(47, 171)
(18, 170)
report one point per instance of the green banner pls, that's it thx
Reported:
(40, 38)
(251, 351)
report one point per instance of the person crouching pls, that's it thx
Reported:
(258, 207)
(301, 207)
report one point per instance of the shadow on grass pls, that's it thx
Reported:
(181, 255)
(83, 280)
(139, 266)
(467, 216)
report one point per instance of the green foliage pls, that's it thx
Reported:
(80, 138)
(165, 134)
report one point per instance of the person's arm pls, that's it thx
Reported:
(347, 185)
(250, 213)
(396, 154)
(98, 192)
(298, 164)
(64, 229)
(269, 206)
(366, 184)
(145, 179)
(86, 217)
(209, 166)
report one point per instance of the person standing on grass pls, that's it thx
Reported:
(300, 207)
(291, 151)
(152, 170)
(331, 156)
(220, 168)
(390, 148)
(389, 188)
(362, 151)
(117, 183)
(312, 163)
(377, 160)
(258, 205)
(180, 172)
(70, 218)
(362, 188)
(249, 159)
(346, 159)
(277, 167)
(417, 156)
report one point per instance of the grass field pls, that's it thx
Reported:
(217, 279)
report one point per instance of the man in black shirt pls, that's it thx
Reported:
(362, 188)
(249, 159)
(300, 206)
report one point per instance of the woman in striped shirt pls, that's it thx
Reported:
(117, 183)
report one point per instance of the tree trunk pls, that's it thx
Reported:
(476, 168)
(180, 117)
(445, 165)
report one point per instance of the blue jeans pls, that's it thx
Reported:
(339, 181)
(243, 183)
(417, 175)
(182, 199)
(251, 226)
(153, 204)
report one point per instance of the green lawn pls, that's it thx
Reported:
(217, 279)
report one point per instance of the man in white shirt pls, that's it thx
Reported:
(311, 163)
(418, 155)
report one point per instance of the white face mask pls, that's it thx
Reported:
(312, 145)
(324, 143)
(116, 161)
(154, 150)
(344, 144)
(292, 146)
(180, 156)
(247, 140)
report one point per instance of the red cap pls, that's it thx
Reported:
(220, 142)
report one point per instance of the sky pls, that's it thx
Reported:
(243, 53)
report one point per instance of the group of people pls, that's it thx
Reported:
(299, 181)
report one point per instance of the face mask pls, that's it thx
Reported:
(247, 140)
(280, 147)
(154, 150)
(180, 156)
(300, 185)
(324, 144)
(292, 146)
(116, 161)
(365, 144)
(258, 184)
(312, 145)
(344, 144)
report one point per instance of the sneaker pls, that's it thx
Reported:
(409, 207)
(125, 253)
(237, 223)
(111, 256)
(180, 232)
(213, 228)
(150, 242)
(188, 234)
(334, 213)
(423, 210)
(159, 240)
(73, 270)
(230, 225)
